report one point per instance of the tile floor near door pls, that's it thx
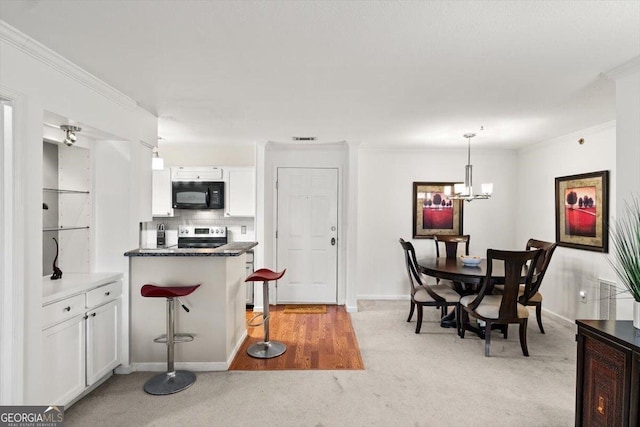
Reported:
(430, 379)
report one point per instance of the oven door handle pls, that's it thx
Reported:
(207, 197)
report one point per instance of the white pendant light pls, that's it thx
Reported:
(157, 162)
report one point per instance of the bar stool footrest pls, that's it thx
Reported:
(252, 323)
(177, 338)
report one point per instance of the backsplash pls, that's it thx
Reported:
(207, 218)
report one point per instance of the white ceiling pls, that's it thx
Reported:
(381, 73)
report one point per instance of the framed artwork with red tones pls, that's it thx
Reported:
(433, 212)
(582, 211)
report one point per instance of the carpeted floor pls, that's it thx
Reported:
(431, 379)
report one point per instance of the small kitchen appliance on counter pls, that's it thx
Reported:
(160, 237)
(190, 236)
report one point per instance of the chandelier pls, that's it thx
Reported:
(465, 191)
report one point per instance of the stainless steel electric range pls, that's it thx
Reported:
(195, 236)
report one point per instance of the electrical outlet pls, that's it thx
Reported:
(243, 229)
(583, 297)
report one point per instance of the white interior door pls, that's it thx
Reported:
(307, 235)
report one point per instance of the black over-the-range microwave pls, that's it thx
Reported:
(197, 194)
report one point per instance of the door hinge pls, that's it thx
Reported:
(276, 234)
(276, 184)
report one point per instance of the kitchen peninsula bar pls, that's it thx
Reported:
(217, 308)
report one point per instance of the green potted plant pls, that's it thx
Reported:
(625, 236)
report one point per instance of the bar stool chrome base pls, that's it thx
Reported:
(169, 382)
(266, 350)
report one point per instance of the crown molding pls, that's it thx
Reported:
(630, 67)
(62, 65)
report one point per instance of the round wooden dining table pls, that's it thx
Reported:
(453, 269)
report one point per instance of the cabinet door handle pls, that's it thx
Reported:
(601, 406)
(67, 308)
(107, 294)
(93, 315)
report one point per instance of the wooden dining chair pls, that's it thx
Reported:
(423, 294)
(534, 297)
(505, 308)
(450, 243)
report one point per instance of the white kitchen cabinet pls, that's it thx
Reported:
(81, 340)
(64, 361)
(240, 192)
(103, 339)
(161, 193)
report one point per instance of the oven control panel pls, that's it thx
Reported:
(201, 231)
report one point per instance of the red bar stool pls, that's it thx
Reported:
(171, 381)
(266, 349)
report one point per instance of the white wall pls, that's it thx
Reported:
(385, 187)
(42, 83)
(628, 147)
(207, 155)
(571, 270)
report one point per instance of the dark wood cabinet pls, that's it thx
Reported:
(608, 373)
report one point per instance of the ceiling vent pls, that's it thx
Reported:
(304, 138)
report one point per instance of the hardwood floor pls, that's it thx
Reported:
(314, 341)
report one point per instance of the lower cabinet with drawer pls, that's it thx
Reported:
(81, 342)
(608, 373)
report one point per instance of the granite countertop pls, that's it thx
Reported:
(71, 284)
(230, 249)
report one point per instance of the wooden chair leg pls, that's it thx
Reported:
(413, 307)
(487, 338)
(505, 331)
(456, 309)
(539, 316)
(419, 324)
(464, 319)
(523, 337)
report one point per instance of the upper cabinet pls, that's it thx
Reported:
(161, 193)
(240, 192)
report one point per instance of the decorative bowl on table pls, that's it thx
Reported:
(470, 260)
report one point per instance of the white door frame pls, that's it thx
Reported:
(271, 156)
(11, 274)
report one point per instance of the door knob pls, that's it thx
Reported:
(333, 241)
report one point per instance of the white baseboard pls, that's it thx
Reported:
(189, 366)
(124, 370)
(385, 297)
(351, 308)
(559, 317)
(236, 349)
